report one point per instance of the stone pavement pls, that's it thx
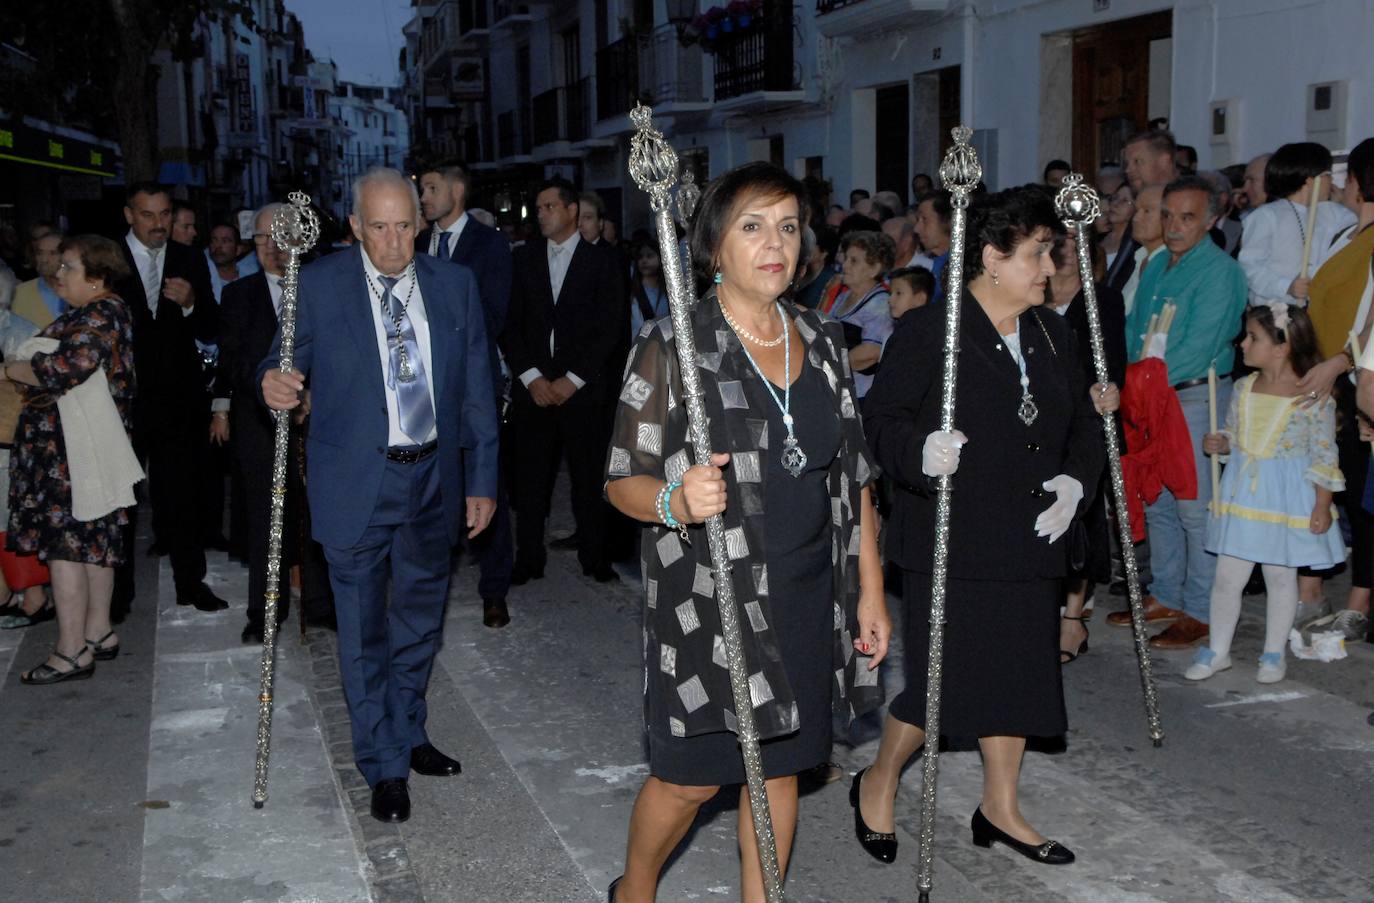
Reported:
(135, 785)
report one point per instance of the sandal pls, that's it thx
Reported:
(1065, 656)
(46, 674)
(103, 653)
(15, 618)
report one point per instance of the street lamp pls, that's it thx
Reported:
(680, 15)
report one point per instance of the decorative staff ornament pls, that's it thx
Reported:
(960, 173)
(653, 165)
(295, 229)
(1078, 206)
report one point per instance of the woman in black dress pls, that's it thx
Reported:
(1031, 443)
(813, 619)
(94, 336)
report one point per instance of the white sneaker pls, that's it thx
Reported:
(1272, 668)
(1354, 624)
(1206, 663)
(1311, 611)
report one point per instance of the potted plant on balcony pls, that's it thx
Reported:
(721, 24)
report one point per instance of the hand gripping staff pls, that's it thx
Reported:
(295, 229)
(653, 165)
(1077, 205)
(960, 173)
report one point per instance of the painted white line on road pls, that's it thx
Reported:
(1257, 698)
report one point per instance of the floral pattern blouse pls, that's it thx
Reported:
(684, 656)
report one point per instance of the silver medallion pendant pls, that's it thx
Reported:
(1028, 411)
(405, 373)
(793, 458)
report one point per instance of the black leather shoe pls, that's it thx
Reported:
(602, 574)
(156, 550)
(391, 800)
(565, 543)
(203, 599)
(882, 847)
(495, 613)
(610, 891)
(429, 761)
(252, 633)
(523, 573)
(1051, 852)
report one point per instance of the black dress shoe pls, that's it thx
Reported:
(252, 633)
(391, 800)
(156, 550)
(565, 543)
(429, 761)
(523, 573)
(601, 574)
(327, 620)
(203, 599)
(495, 613)
(882, 847)
(1051, 852)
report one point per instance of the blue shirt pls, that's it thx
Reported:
(51, 300)
(1209, 290)
(937, 269)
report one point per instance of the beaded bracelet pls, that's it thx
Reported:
(664, 505)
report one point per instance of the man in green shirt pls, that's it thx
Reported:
(1208, 290)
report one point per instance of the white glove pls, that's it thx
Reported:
(940, 455)
(1055, 520)
(1158, 342)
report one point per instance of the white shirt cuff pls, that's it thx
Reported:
(186, 311)
(530, 376)
(575, 379)
(218, 404)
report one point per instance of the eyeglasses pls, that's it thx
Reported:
(261, 238)
(65, 267)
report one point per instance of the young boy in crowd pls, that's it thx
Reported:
(912, 287)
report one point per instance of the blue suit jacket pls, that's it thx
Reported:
(487, 253)
(336, 349)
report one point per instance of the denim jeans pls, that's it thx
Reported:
(1183, 569)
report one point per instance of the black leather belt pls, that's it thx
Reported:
(1190, 383)
(413, 453)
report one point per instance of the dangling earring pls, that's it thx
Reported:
(718, 278)
(994, 279)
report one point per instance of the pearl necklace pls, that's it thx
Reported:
(746, 334)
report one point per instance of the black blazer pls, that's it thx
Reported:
(486, 252)
(1123, 264)
(166, 360)
(248, 323)
(1111, 312)
(997, 490)
(590, 322)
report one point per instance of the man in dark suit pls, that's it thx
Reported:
(249, 310)
(568, 322)
(455, 236)
(1149, 159)
(402, 451)
(173, 307)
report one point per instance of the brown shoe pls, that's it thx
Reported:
(1154, 611)
(1186, 631)
(494, 613)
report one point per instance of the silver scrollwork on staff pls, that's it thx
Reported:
(960, 174)
(654, 167)
(295, 229)
(1078, 205)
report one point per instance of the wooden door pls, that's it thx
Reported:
(1111, 86)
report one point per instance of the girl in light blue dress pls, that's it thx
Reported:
(1275, 505)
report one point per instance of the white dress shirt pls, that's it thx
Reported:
(420, 322)
(454, 230)
(1142, 259)
(149, 274)
(1271, 247)
(560, 258)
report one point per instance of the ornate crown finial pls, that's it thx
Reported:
(961, 172)
(1077, 202)
(653, 162)
(295, 227)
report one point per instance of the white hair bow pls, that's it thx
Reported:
(1280, 312)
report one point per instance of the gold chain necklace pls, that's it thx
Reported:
(746, 334)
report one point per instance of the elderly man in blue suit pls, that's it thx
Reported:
(402, 451)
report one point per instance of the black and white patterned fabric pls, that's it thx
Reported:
(684, 654)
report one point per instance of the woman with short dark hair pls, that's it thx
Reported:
(81, 544)
(860, 301)
(1034, 447)
(780, 399)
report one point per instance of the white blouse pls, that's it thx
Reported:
(1271, 248)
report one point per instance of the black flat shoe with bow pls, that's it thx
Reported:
(882, 847)
(1051, 852)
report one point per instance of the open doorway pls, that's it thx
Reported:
(1121, 74)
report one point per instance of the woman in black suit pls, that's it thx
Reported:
(1090, 554)
(1028, 443)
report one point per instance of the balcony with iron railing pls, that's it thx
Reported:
(513, 133)
(509, 15)
(561, 114)
(474, 28)
(617, 78)
(670, 73)
(869, 18)
(755, 59)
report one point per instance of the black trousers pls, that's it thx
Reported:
(581, 433)
(257, 474)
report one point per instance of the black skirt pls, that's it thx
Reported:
(1001, 659)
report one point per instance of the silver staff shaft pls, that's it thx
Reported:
(960, 173)
(653, 164)
(1078, 205)
(295, 229)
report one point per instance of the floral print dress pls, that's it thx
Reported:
(98, 335)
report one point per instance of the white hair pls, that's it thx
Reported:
(483, 216)
(384, 175)
(268, 210)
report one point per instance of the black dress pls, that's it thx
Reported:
(801, 590)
